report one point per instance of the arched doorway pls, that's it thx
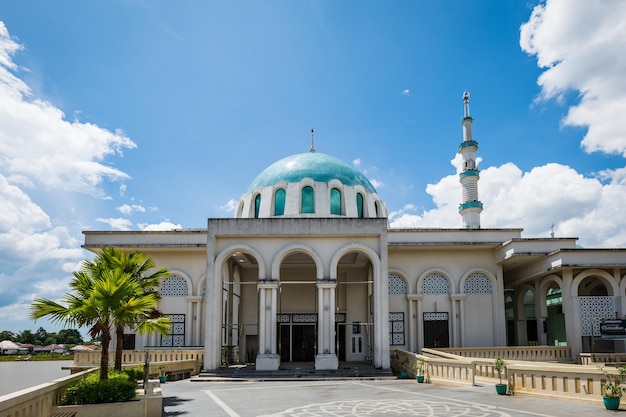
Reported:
(239, 334)
(354, 324)
(596, 302)
(555, 321)
(297, 308)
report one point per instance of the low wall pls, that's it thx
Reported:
(561, 380)
(150, 405)
(37, 401)
(601, 358)
(134, 357)
(44, 399)
(519, 353)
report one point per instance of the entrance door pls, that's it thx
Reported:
(436, 334)
(297, 342)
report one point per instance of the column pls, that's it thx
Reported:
(458, 320)
(267, 359)
(326, 357)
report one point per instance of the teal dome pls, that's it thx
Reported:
(317, 166)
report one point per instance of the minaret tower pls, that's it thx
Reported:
(471, 207)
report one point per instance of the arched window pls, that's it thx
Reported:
(477, 284)
(435, 284)
(257, 205)
(377, 209)
(174, 286)
(359, 205)
(308, 200)
(397, 286)
(335, 201)
(279, 202)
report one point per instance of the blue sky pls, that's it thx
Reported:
(133, 115)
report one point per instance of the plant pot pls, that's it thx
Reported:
(501, 389)
(404, 374)
(162, 379)
(611, 403)
(420, 378)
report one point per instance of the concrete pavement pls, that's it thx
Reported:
(345, 398)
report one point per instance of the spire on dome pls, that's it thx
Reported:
(312, 149)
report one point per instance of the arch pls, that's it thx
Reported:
(239, 209)
(201, 289)
(360, 205)
(257, 205)
(307, 200)
(468, 274)
(230, 250)
(280, 195)
(611, 286)
(177, 283)
(397, 284)
(336, 205)
(420, 279)
(288, 250)
(358, 247)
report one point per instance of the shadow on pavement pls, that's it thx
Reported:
(174, 401)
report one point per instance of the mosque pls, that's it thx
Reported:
(309, 270)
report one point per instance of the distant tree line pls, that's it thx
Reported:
(43, 338)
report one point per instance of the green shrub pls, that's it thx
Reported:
(90, 390)
(134, 374)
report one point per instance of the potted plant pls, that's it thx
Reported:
(612, 388)
(162, 374)
(420, 368)
(404, 364)
(498, 366)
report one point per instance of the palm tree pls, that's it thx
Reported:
(141, 269)
(102, 298)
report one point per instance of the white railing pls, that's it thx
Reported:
(39, 400)
(517, 353)
(601, 358)
(563, 380)
(135, 357)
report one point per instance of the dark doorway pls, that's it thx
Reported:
(340, 329)
(436, 333)
(297, 342)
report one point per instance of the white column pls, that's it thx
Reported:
(189, 322)
(326, 357)
(458, 320)
(198, 317)
(413, 322)
(267, 358)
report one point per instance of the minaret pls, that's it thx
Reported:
(471, 207)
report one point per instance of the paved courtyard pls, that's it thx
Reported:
(359, 398)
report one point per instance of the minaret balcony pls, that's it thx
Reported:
(468, 143)
(469, 173)
(471, 204)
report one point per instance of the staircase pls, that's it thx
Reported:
(295, 371)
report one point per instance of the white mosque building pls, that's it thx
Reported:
(310, 271)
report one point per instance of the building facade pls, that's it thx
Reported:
(309, 271)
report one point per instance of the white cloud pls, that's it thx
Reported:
(376, 183)
(230, 206)
(116, 223)
(356, 162)
(128, 209)
(36, 142)
(406, 92)
(581, 47)
(163, 226)
(48, 167)
(553, 193)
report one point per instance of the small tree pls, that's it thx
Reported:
(499, 367)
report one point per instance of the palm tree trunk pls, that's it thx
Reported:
(119, 346)
(104, 359)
